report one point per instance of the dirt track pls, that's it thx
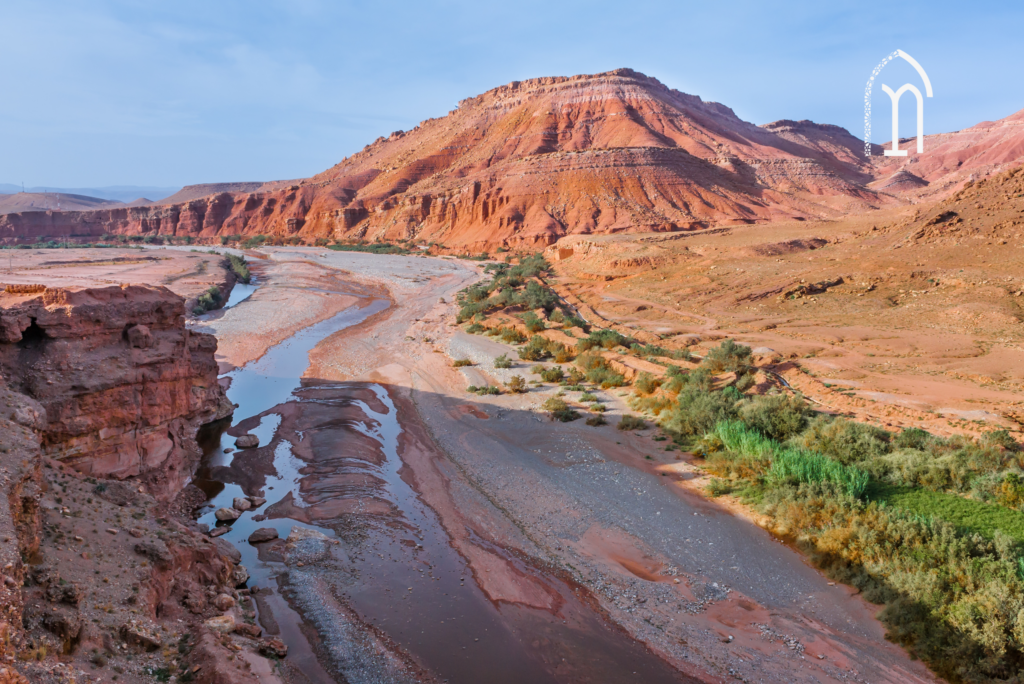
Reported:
(539, 510)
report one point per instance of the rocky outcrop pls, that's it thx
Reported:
(122, 383)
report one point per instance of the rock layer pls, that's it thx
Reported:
(123, 383)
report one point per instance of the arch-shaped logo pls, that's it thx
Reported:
(895, 96)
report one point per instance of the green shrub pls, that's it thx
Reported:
(535, 350)
(587, 397)
(511, 336)
(778, 416)
(646, 383)
(532, 322)
(628, 422)
(844, 440)
(239, 267)
(596, 420)
(553, 374)
(603, 339)
(598, 408)
(697, 412)
(503, 362)
(559, 410)
(516, 384)
(475, 329)
(372, 248)
(461, 363)
(254, 242)
(717, 487)
(727, 357)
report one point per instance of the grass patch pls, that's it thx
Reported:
(973, 516)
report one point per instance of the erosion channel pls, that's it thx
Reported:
(363, 583)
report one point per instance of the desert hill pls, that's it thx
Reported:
(950, 159)
(527, 163)
(49, 201)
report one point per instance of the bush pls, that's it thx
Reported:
(532, 322)
(559, 410)
(554, 404)
(628, 422)
(461, 363)
(475, 329)
(535, 350)
(646, 383)
(596, 420)
(598, 408)
(845, 440)
(554, 374)
(697, 412)
(486, 389)
(727, 357)
(587, 397)
(717, 487)
(503, 362)
(207, 301)
(516, 384)
(239, 267)
(254, 242)
(778, 416)
(511, 335)
(604, 339)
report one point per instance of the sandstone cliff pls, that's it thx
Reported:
(123, 383)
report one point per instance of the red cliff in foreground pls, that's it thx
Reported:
(124, 385)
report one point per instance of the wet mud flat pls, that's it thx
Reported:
(364, 583)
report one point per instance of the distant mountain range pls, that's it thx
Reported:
(117, 193)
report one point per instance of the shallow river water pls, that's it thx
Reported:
(402, 578)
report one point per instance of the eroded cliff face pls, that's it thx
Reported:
(124, 385)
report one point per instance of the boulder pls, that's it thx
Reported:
(155, 550)
(224, 624)
(228, 550)
(227, 514)
(241, 504)
(257, 501)
(245, 629)
(134, 634)
(239, 576)
(223, 602)
(272, 647)
(247, 442)
(263, 534)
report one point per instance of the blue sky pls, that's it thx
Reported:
(130, 92)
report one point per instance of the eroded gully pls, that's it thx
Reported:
(375, 591)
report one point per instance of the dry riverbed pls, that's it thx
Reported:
(471, 539)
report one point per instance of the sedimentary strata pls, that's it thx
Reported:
(123, 384)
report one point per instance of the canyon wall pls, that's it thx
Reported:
(122, 383)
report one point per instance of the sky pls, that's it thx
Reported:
(125, 92)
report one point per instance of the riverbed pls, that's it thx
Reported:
(450, 536)
(396, 579)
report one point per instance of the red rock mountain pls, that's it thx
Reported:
(527, 163)
(949, 159)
